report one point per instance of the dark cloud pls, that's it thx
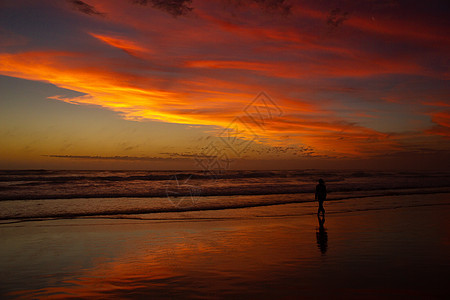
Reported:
(8, 39)
(336, 18)
(183, 7)
(140, 158)
(184, 155)
(174, 7)
(270, 5)
(84, 7)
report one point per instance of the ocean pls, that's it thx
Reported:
(46, 194)
(244, 234)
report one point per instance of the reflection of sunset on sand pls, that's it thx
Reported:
(322, 235)
(254, 252)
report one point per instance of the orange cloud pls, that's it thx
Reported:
(228, 65)
(442, 121)
(409, 29)
(325, 67)
(121, 43)
(112, 90)
(327, 135)
(205, 69)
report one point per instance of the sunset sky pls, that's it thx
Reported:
(114, 84)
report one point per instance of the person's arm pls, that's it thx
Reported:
(315, 196)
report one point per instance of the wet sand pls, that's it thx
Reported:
(265, 252)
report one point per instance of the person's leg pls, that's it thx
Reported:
(321, 209)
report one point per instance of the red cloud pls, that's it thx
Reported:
(442, 121)
(205, 69)
(121, 43)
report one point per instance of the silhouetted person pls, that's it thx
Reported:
(322, 235)
(321, 195)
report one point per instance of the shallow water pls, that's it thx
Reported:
(369, 247)
(41, 194)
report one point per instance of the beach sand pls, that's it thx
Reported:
(384, 250)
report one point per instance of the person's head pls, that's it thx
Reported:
(321, 181)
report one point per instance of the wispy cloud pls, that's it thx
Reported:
(9, 38)
(124, 44)
(442, 123)
(203, 69)
(131, 158)
(336, 18)
(174, 7)
(84, 8)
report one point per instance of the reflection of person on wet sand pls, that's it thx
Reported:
(322, 235)
(321, 195)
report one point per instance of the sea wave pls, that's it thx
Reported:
(44, 184)
(88, 207)
(72, 176)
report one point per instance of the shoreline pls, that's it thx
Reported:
(23, 210)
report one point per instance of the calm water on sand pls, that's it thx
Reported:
(264, 252)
